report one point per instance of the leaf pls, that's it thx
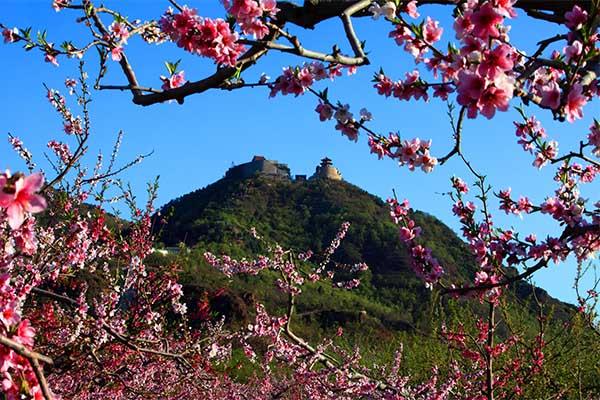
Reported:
(172, 67)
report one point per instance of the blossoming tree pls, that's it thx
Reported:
(127, 319)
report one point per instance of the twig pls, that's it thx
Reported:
(34, 359)
(349, 29)
(457, 134)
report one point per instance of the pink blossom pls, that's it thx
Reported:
(553, 206)
(494, 98)
(248, 14)
(296, 80)
(10, 35)
(305, 77)
(61, 150)
(348, 129)
(411, 87)
(409, 150)
(343, 114)
(485, 21)
(505, 7)
(318, 70)
(411, 9)
(174, 81)
(548, 152)
(377, 147)
(442, 91)
(463, 26)
(51, 58)
(388, 10)
(409, 232)
(573, 50)
(471, 45)
(481, 277)
(575, 102)
(551, 95)
(470, 87)
(432, 31)
(427, 161)
(70, 84)
(17, 196)
(116, 53)
(60, 4)
(335, 70)
(202, 36)
(384, 85)
(365, 115)
(497, 61)
(25, 333)
(576, 18)
(325, 111)
(460, 185)
(120, 31)
(524, 205)
(401, 34)
(423, 263)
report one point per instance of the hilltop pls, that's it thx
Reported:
(306, 214)
(390, 307)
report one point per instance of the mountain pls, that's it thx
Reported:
(306, 214)
(390, 308)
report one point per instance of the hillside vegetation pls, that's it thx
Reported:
(391, 306)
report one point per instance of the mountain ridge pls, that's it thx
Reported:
(306, 214)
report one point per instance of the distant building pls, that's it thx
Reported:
(259, 166)
(327, 171)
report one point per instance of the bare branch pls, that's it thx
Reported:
(457, 135)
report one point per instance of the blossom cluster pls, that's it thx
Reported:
(293, 276)
(345, 122)
(18, 196)
(414, 153)
(229, 266)
(212, 38)
(297, 80)
(483, 69)
(48, 260)
(118, 35)
(424, 264)
(567, 205)
(509, 206)
(176, 80)
(249, 13)
(17, 376)
(531, 135)
(411, 87)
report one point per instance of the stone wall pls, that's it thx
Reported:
(260, 166)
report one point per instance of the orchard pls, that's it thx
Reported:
(84, 315)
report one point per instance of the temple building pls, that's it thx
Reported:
(260, 166)
(326, 170)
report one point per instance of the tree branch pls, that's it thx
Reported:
(315, 11)
(34, 359)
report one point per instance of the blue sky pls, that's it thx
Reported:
(195, 143)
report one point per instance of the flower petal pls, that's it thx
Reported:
(33, 182)
(15, 215)
(36, 204)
